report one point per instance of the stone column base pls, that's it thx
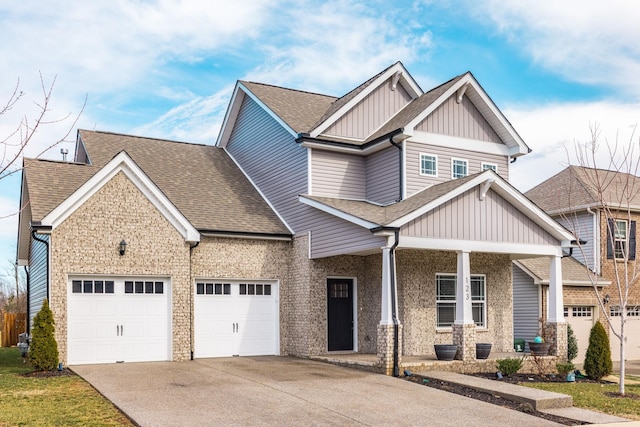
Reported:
(385, 348)
(556, 334)
(464, 336)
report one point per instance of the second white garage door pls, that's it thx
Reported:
(236, 318)
(581, 320)
(631, 331)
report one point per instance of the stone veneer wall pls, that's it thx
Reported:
(231, 258)
(416, 275)
(86, 243)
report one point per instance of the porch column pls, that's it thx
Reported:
(464, 329)
(555, 327)
(386, 329)
(386, 309)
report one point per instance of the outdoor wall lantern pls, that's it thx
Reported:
(606, 299)
(122, 247)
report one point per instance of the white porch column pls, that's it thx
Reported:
(555, 305)
(464, 315)
(386, 317)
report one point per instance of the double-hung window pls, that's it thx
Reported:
(459, 168)
(428, 165)
(446, 300)
(620, 238)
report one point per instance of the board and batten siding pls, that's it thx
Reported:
(38, 266)
(466, 217)
(272, 160)
(416, 182)
(332, 236)
(383, 179)
(371, 113)
(337, 175)
(526, 305)
(581, 225)
(459, 119)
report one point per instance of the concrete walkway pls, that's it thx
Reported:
(278, 391)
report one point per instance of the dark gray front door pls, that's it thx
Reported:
(340, 314)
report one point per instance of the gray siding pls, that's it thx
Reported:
(38, 263)
(371, 113)
(383, 180)
(338, 175)
(466, 217)
(581, 225)
(416, 182)
(332, 236)
(462, 120)
(272, 159)
(526, 305)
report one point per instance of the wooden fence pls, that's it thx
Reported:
(12, 324)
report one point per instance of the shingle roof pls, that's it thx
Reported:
(573, 273)
(577, 187)
(299, 109)
(201, 181)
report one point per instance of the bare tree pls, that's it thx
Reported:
(616, 190)
(13, 289)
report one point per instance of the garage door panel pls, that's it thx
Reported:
(632, 334)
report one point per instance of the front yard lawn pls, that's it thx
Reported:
(57, 400)
(598, 397)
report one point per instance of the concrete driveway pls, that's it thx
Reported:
(274, 391)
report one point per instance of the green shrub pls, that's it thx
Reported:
(572, 344)
(43, 352)
(565, 368)
(509, 366)
(597, 362)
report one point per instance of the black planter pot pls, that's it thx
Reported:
(483, 350)
(539, 348)
(446, 351)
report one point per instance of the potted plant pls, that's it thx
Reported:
(539, 347)
(446, 351)
(482, 350)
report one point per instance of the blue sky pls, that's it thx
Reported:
(166, 68)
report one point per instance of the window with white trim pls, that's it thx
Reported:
(446, 300)
(620, 238)
(459, 168)
(428, 164)
(581, 311)
(487, 166)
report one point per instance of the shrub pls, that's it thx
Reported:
(572, 344)
(509, 366)
(597, 362)
(44, 349)
(565, 368)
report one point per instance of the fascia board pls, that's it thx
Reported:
(365, 92)
(230, 116)
(447, 141)
(410, 242)
(338, 213)
(123, 163)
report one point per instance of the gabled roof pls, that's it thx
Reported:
(576, 188)
(396, 215)
(201, 182)
(573, 273)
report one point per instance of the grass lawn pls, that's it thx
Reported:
(592, 396)
(58, 400)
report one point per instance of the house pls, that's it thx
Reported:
(380, 222)
(606, 221)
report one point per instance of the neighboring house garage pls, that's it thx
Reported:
(236, 318)
(631, 332)
(118, 320)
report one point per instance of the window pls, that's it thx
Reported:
(92, 286)
(581, 311)
(139, 287)
(446, 300)
(487, 166)
(213, 288)
(620, 238)
(428, 165)
(459, 168)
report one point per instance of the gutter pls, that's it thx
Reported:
(46, 244)
(304, 137)
(26, 271)
(596, 242)
(191, 290)
(400, 167)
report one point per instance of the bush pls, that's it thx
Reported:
(44, 349)
(572, 344)
(565, 368)
(509, 366)
(597, 362)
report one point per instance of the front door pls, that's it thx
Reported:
(340, 314)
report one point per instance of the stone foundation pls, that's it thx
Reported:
(464, 336)
(556, 334)
(385, 348)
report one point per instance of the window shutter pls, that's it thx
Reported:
(632, 241)
(610, 228)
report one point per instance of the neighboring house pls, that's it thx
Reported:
(573, 200)
(380, 222)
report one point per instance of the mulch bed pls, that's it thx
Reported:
(47, 374)
(494, 399)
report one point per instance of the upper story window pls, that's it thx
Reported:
(487, 166)
(621, 239)
(459, 168)
(446, 300)
(428, 165)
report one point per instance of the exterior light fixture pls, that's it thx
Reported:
(122, 247)
(606, 299)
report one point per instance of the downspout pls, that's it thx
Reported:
(394, 313)
(46, 244)
(596, 241)
(26, 272)
(191, 290)
(400, 167)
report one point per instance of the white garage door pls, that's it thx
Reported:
(118, 320)
(236, 318)
(631, 331)
(581, 320)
